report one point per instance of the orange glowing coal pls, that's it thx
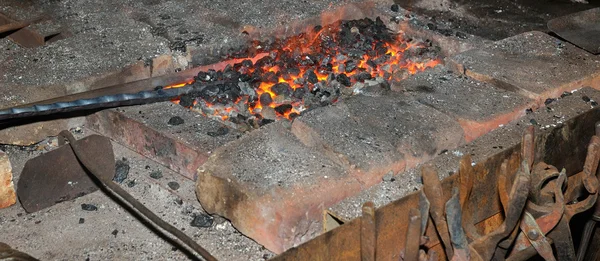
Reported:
(327, 58)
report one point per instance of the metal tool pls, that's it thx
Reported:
(57, 176)
(581, 29)
(95, 155)
(102, 102)
(9, 254)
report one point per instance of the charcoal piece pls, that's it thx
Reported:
(361, 76)
(310, 76)
(594, 103)
(89, 207)
(299, 93)
(585, 98)
(245, 77)
(131, 183)
(565, 94)
(209, 92)
(115, 232)
(282, 88)
(341, 58)
(246, 89)
(187, 100)
(81, 220)
(219, 132)
(548, 101)
(231, 75)
(381, 59)
(371, 63)
(202, 76)
(202, 220)
(294, 71)
(173, 185)
(213, 75)
(350, 66)
(156, 174)
(461, 35)
(265, 99)
(264, 122)
(283, 109)
(121, 171)
(343, 79)
(293, 115)
(266, 61)
(356, 54)
(395, 8)
(431, 26)
(175, 120)
(247, 63)
(270, 77)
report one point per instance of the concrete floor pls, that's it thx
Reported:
(56, 233)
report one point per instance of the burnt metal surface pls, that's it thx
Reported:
(581, 29)
(58, 176)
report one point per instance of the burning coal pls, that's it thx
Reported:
(309, 70)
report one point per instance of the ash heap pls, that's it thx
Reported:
(308, 70)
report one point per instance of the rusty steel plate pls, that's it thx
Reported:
(58, 176)
(581, 29)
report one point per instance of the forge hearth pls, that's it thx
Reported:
(284, 77)
(273, 181)
(292, 118)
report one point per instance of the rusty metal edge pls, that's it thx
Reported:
(391, 219)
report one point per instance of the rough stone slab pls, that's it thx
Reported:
(376, 135)
(272, 187)
(534, 64)
(8, 197)
(494, 142)
(479, 107)
(145, 129)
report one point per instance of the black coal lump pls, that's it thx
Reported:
(311, 76)
(121, 170)
(89, 207)
(176, 120)
(202, 220)
(156, 174)
(173, 185)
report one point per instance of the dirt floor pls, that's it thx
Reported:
(67, 232)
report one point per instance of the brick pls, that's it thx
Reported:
(479, 107)
(272, 187)
(162, 65)
(8, 197)
(275, 182)
(533, 64)
(144, 129)
(379, 134)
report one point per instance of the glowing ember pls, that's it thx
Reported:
(309, 70)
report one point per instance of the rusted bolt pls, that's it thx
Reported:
(533, 235)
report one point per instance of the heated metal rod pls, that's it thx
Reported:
(113, 187)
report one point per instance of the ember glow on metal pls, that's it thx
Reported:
(310, 69)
